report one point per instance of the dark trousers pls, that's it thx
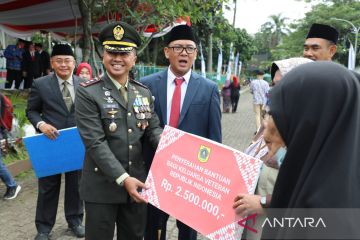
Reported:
(156, 226)
(100, 221)
(48, 199)
(28, 80)
(234, 102)
(11, 76)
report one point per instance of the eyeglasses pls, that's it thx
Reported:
(180, 49)
(61, 61)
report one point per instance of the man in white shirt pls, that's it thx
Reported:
(259, 89)
(184, 100)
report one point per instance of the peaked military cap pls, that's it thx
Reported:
(323, 31)
(119, 37)
(180, 32)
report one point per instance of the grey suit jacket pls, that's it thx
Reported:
(46, 103)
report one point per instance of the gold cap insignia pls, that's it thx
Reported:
(118, 32)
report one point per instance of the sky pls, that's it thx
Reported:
(251, 14)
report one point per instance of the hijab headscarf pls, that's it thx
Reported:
(84, 65)
(235, 81)
(316, 108)
(285, 65)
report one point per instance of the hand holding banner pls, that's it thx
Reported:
(196, 180)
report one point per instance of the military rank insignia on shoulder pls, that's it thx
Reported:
(138, 83)
(90, 82)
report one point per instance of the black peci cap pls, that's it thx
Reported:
(180, 32)
(323, 31)
(62, 48)
(119, 37)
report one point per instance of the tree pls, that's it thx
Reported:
(271, 34)
(86, 8)
(277, 28)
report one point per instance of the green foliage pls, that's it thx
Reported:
(25, 175)
(20, 153)
(19, 101)
(271, 34)
(160, 13)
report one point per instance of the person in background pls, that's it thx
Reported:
(12, 188)
(320, 43)
(31, 65)
(84, 71)
(318, 170)
(256, 203)
(235, 93)
(14, 57)
(183, 100)
(113, 131)
(259, 89)
(45, 67)
(50, 107)
(226, 96)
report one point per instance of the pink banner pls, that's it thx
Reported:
(196, 180)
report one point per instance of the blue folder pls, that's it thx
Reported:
(64, 154)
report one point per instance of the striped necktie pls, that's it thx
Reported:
(67, 96)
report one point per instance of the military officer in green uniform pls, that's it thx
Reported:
(114, 115)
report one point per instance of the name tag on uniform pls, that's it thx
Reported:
(111, 105)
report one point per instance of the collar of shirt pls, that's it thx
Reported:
(117, 84)
(171, 77)
(69, 80)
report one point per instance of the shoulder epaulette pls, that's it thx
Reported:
(90, 82)
(138, 83)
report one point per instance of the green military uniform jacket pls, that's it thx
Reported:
(110, 153)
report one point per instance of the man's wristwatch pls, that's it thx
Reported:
(263, 201)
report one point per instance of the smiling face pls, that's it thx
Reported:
(63, 65)
(319, 49)
(118, 65)
(180, 63)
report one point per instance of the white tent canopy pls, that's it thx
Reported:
(21, 18)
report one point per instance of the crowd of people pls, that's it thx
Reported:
(311, 104)
(25, 62)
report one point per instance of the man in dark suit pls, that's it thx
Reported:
(114, 115)
(31, 65)
(187, 101)
(50, 108)
(44, 59)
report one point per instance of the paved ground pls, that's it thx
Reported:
(17, 216)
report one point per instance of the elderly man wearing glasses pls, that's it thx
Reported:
(50, 108)
(184, 100)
